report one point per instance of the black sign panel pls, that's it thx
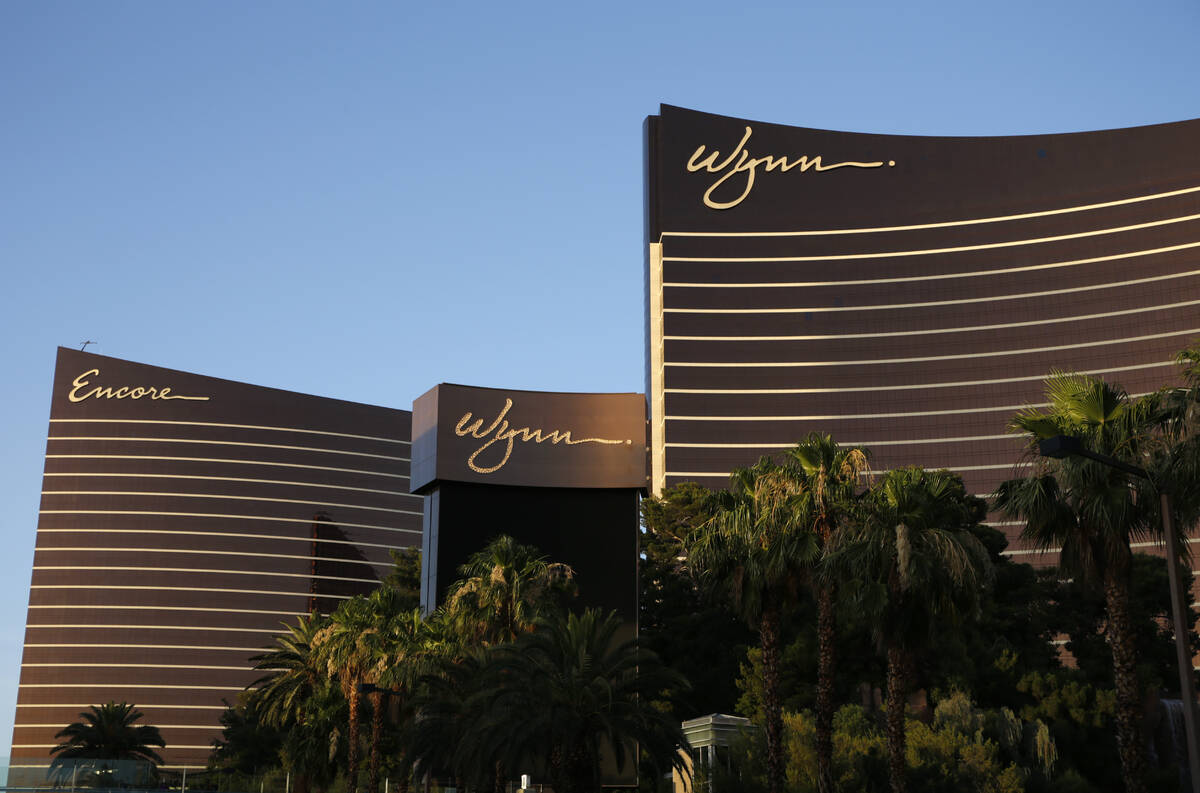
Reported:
(502, 437)
(715, 173)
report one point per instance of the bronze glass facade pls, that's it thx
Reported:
(905, 293)
(183, 518)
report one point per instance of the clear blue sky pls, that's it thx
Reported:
(360, 200)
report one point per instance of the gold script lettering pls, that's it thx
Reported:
(500, 432)
(79, 394)
(745, 164)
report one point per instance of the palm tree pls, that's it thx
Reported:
(831, 475)
(759, 547)
(313, 748)
(353, 650)
(504, 588)
(108, 733)
(293, 672)
(561, 697)
(444, 706)
(407, 647)
(295, 676)
(918, 566)
(386, 608)
(1091, 513)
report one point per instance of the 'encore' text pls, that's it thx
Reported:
(80, 392)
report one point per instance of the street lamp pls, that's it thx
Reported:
(1061, 446)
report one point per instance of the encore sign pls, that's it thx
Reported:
(84, 388)
(531, 438)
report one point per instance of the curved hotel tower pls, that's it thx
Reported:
(183, 518)
(905, 293)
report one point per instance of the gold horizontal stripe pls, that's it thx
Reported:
(905, 442)
(231, 426)
(130, 685)
(57, 625)
(140, 707)
(921, 359)
(908, 387)
(124, 587)
(49, 745)
(223, 497)
(937, 225)
(204, 442)
(878, 472)
(160, 725)
(306, 539)
(78, 606)
(953, 249)
(933, 303)
(263, 573)
(200, 552)
(160, 458)
(934, 331)
(1029, 551)
(307, 522)
(836, 417)
(228, 479)
(140, 647)
(941, 276)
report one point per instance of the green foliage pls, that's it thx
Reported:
(505, 588)
(108, 731)
(1080, 614)
(293, 672)
(405, 576)
(914, 565)
(947, 756)
(1011, 637)
(1079, 717)
(315, 748)
(554, 699)
(248, 745)
(693, 633)
(759, 548)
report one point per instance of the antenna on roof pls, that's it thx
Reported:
(83, 345)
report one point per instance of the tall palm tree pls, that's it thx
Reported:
(918, 567)
(407, 647)
(313, 748)
(504, 588)
(1091, 513)
(353, 649)
(831, 475)
(293, 672)
(759, 548)
(107, 733)
(392, 624)
(286, 693)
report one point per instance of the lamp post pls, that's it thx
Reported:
(1068, 446)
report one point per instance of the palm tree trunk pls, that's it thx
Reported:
(898, 668)
(768, 631)
(376, 739)
(826, 655)
(1119, 633)
(352, 738)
